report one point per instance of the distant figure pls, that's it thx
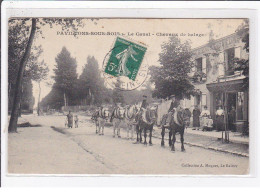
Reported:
(196, 118)
(144, 102)
(187, 117)
(209, 126)
(232, 119)
(204, 115)
(76, 121)
(220, 119)
(66, 122)
(70, 119)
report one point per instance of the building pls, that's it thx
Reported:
(213, 77)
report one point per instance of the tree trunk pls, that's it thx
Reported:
(39, 97)
(65, 101)
(17, 91)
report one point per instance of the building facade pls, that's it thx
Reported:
(216, 81)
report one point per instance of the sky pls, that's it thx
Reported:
(98, 46)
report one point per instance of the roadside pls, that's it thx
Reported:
(58, 150)
(40, 150)
(207, 140)
(210, 142)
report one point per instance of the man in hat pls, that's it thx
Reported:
(174, 104)
(144, 102)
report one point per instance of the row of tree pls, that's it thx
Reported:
(88, 88)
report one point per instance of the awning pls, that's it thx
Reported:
(227, 86)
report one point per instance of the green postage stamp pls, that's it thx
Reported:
(125, 59)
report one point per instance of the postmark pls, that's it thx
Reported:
(125, 66)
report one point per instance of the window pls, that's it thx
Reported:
(229, 58)
(199, 64)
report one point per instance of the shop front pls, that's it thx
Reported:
(232, 97)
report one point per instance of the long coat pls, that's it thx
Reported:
(196, 118)
(70, 119)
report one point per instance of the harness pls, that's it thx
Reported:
(101, 113)
(147, 117)
(127, 113)
(117, 113)
(178, 117)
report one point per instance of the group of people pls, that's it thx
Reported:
(202, 119)
(69, 120)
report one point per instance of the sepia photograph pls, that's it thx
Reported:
(128, 96)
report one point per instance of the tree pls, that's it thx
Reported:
(32, 22)
(65, 75)
(17, 93)
(117, 94)
(39, 73)
(243, 64)
(172, 76)
(90, 82)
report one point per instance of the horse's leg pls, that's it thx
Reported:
(132, 131)
(173, 140)
(145, 135)
(170, 137)
(182, 140)
(127, 131)
(141, 131)
(151, 133)
(162, 133)
(137, 133)
(114, 130)
(118, 131)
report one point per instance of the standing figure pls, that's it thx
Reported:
(76, 120)
(70, 119)
(232, 119)
(196, 118)
(66, 121)
(220, 119)
(204, 118)
(187, 117)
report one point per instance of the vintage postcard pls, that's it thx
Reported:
(128, 96)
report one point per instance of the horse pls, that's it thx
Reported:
(147, 119)
(177, 124)
(163, 122)
(130, 119)
(94, 117)
(116, 118)
(180, 118)
(103, 115)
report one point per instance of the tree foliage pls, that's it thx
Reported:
(243, 32)
(91, 85)
(65, 74)
(35, 24)
(171, 77)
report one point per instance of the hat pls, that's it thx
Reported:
(144, 96)
(171, 96)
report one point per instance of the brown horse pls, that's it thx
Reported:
(146, 120)
(176, 125)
